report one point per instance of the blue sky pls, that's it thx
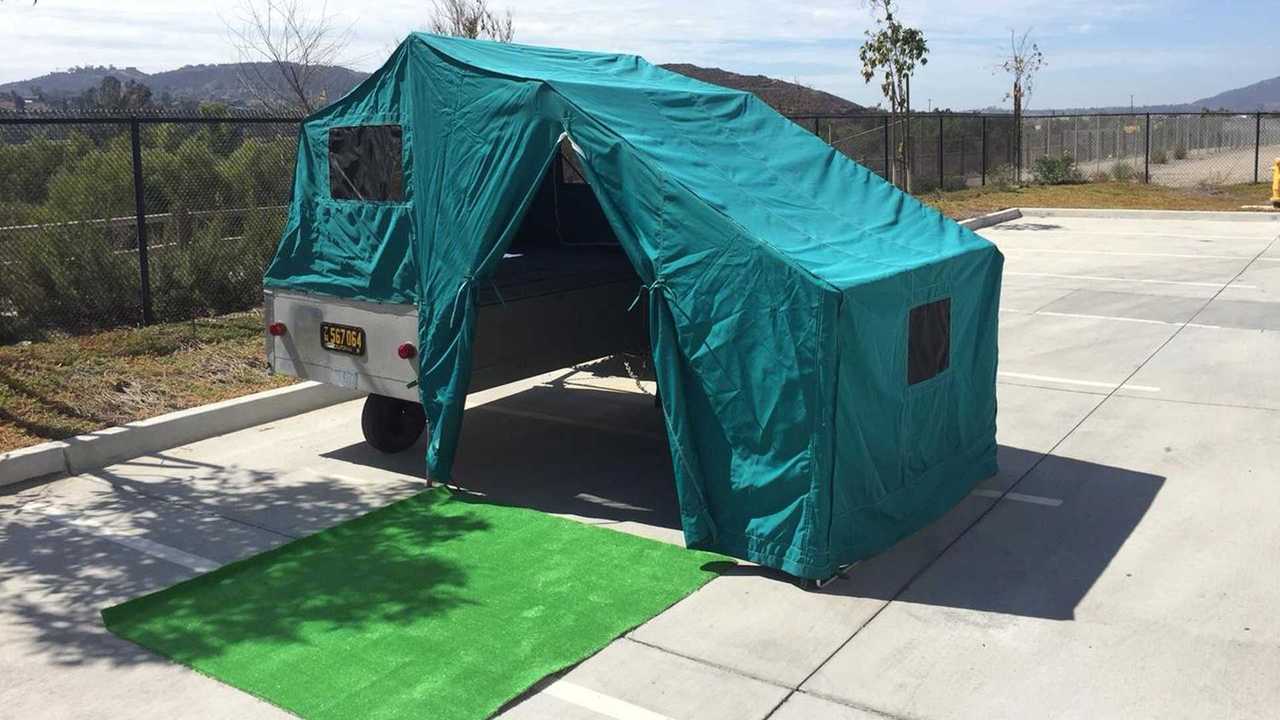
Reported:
(1098, 53)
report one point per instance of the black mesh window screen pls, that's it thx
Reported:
(366, 163)
(928, 340)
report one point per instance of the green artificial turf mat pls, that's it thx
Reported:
(434, 607)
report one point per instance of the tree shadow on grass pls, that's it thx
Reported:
(382, 569)
(56, 576)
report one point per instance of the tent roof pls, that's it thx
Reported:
(779, 184)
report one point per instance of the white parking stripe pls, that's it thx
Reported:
(1105, 317)
(133, 542)
(1071, 381)
(1019, 497)
(533, 415)
(1188, 256)
(1112, 234)
(1147, 281)
(1109, 317)
(600, 703)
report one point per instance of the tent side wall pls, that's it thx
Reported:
(907, 449)
(352, 249)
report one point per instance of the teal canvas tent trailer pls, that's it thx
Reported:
(824, 344)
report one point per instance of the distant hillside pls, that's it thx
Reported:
(219, 82)
(785, 97)
(72, 82)
(222, 83)
(1263, 95)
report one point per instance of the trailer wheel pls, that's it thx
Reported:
(390, 424)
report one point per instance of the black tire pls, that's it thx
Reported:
(391, 425)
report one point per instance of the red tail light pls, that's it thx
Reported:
(276, 329)
(406, 351)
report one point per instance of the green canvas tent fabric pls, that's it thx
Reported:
(825, 345)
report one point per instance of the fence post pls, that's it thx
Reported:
(888, 171)
(984, 150)
(942, 176)
(140, 208)
(1146, 160)
(1257, 143)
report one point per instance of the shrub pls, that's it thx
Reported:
(1122, 172)
(1001, 177)
(1159, 156)
(76, 280)
(1180, 153)
(1059, 170)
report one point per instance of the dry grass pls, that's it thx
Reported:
(962, 204)
(64, 386)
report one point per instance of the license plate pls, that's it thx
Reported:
(342, 338)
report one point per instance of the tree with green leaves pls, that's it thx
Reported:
(1023, 62)
(892, 52)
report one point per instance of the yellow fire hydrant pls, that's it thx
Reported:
(1275, 184)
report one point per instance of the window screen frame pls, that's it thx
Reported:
(394, 182)
(928, 346)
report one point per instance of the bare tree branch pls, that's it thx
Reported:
(470, 19)
(284, 52)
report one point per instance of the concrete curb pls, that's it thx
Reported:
(1119, 214)
(994, 218)
(98, 449)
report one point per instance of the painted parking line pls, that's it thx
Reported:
(599, 703)
(533, 415)
(1018, 497)
(1010, 232)
(1088, 316)
(133, 542)
(611, 504)
(1118, 318)
(1073, 381)
(1145, 281)
(1118, 253)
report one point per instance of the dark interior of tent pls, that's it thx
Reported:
(561, 294)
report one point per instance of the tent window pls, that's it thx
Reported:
(366, 163)
(928, 340)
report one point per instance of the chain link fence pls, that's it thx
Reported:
(952, 151)
(108, 221)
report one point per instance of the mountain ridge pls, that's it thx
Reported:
(221, 82)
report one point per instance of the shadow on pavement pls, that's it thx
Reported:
(56, 577)
(597, 454)
(1021, 558)
(1022, 227)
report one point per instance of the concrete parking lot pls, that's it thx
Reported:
(1122, 564)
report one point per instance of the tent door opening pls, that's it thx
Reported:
(560, 294)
